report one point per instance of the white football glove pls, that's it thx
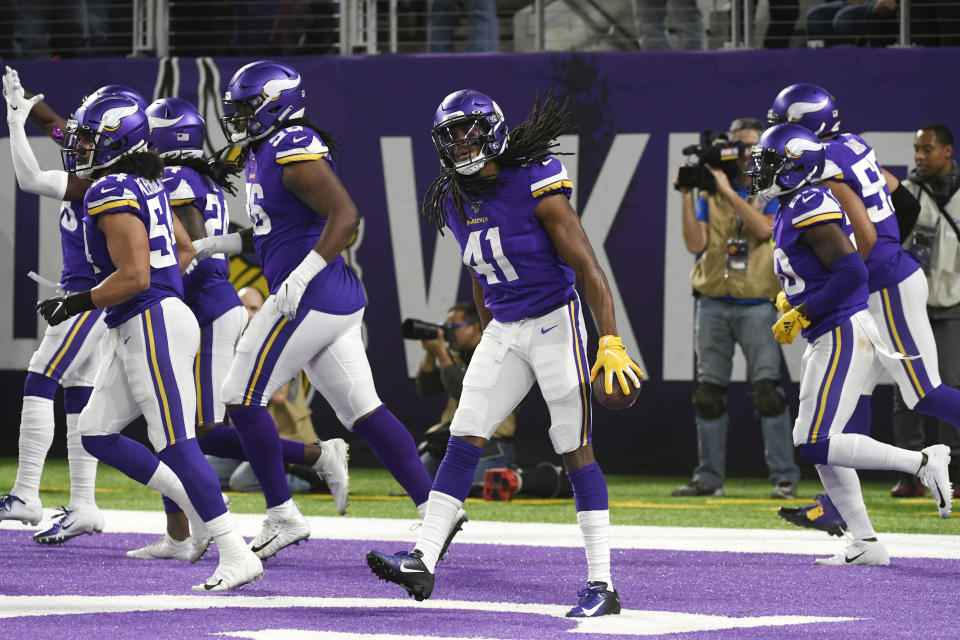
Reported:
(18, 107)
(292, 289)
(227, 243)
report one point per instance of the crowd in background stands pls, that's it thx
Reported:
(85, 28)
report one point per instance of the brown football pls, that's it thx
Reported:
(615, 400)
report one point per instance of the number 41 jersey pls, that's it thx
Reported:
(148, 201)
(507, 248)
(800, 271)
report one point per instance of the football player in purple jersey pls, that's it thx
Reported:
(879, 211)
(506, 200)
(302, 220)
(69, 353)
(137, 248)
(196, 187)
(824, 298)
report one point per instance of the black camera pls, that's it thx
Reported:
(419, 330)
(719, 152)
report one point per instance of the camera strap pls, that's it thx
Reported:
(943, 212)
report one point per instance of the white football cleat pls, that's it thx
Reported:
(935, 476)
(235, 570)
(331, 466)
(163, 549)
(13, 508)
(198, 546)
(70, 524)
(858, 552)
(276, 534)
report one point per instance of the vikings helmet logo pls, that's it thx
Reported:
(156, 122)
(273, 88)
(113, 118)
(796, 147)
(797, 110)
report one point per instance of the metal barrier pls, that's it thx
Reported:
(47, 28)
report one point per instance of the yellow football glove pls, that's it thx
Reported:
(788, 326)
(782, 305)
(613, 359)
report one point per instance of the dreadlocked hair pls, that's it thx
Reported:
(143, 163)
(216, 169)
(332, 143)
(530, 143)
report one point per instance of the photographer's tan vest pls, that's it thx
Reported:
(756, 281)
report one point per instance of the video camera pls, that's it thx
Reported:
(419, 330)
(719, 152)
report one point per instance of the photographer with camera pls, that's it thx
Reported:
(734, 283)
(448, 349)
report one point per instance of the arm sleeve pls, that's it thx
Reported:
(907, 209)
(848, 274)
(429, 382)
(452, 376)
(52, 184)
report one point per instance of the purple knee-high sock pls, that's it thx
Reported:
(124, 454)
(589, 488)
(943, 403)
(197, 476)
(394, 447)
(455, 474)
(261, 444)
(224, 442)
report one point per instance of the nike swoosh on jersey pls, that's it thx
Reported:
(548, 329)
(807, 199)
(107, 189)
(849, 560)
(300, 139)
(592, 610)
(404, 569)
(255, 549)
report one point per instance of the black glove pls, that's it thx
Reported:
(58, 308)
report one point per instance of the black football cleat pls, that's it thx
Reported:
(595, 600)
(404, 568)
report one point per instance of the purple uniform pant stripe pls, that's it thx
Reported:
(267, 356)
(831, 387)
(71, 343)
(898, 329)
(162, 375)
(583, 372)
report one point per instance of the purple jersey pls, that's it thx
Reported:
(206, 289)
(148, 201)
(77, 274)
(507, 248)
(800, 270)
(285, 229)
(852, 161)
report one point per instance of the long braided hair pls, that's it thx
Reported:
(217, 169)
(529, 143)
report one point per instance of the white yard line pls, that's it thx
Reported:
(794, 541)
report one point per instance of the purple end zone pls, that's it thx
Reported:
(911, 598)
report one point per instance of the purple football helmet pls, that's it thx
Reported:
(786, 158)
(260, 97)
(807, 105)
(176, 128)
(102, 131)
(118, 90)
(468, 131)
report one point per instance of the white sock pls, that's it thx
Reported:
(863, 452)
(224, 532)
(843, 487)
(165, 481)
(437, 521)
(282, 511)
(83, 468)
(174, 542)
(595, 528)
(422, 509)
(36, 436)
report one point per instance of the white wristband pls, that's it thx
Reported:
(310, 267)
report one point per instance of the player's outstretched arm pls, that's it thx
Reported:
(239, 242)
(563, 226)
(863, 230)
